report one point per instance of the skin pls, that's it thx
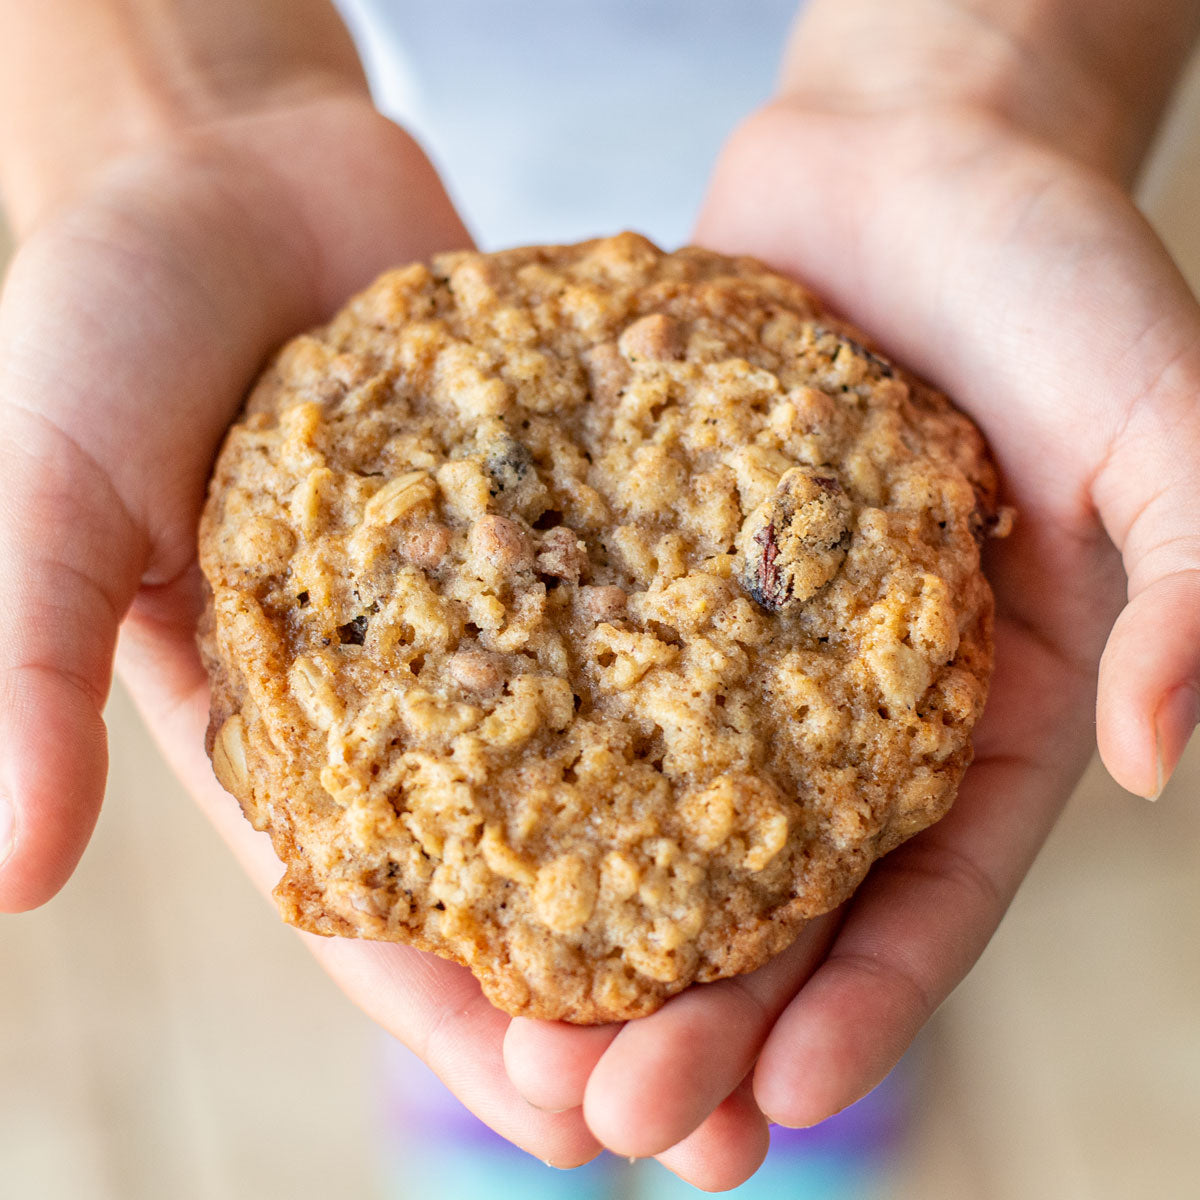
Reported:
(941, 194)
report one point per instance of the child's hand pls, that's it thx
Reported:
(1025, 284)
(133, 320)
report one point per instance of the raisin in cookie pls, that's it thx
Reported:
(591, 616)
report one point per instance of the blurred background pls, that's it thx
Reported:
(162, 1034)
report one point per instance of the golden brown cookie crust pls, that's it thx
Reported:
(592, 616)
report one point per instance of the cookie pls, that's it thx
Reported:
(591, 616)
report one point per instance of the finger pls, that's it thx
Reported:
(927, 910)
(665, 1074)
(1149, 495)
(433, 1006)
(69, 562)
(727, 1148)
(549, 1062)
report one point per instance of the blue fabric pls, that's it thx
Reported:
(434, 1147)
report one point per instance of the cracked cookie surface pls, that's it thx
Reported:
(592, 616)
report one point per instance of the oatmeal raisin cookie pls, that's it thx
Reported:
(592, 616)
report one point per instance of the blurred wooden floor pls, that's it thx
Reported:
(163, 1036)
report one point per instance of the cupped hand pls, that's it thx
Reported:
(133, 319)
(1027, 286)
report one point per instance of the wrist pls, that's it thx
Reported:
(1090, 79)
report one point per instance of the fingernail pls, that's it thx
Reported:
(7, 824)
(1178, 715)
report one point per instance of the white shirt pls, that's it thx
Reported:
(555, 120)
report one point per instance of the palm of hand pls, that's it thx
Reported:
(180, 274)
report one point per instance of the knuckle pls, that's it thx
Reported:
(936, 864)
(898, 983)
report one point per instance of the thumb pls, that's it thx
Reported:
(70, 560)
(1149, 498)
